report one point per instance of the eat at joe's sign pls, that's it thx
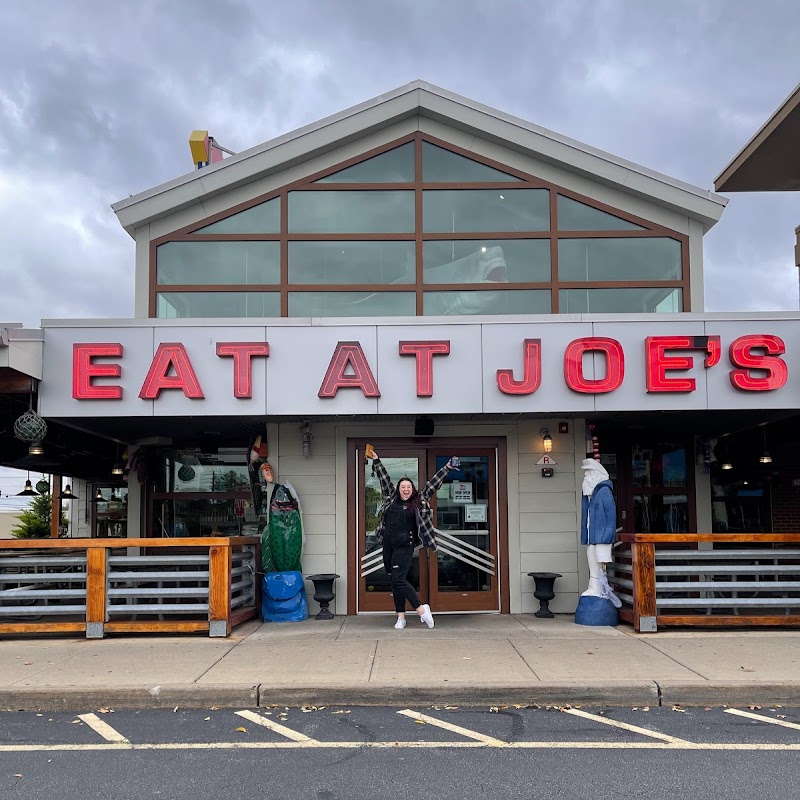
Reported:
(755, 365)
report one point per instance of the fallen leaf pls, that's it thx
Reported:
(646, 708)
(419, 721)
(102, 711)
(748, 669)
(214, 708)
(241, 729)
(75, 722)
(678, 708)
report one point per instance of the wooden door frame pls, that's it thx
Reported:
(499, 443)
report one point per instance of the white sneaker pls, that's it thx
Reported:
(426, 615)
(400, 624)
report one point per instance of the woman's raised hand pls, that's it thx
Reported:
(369, 451)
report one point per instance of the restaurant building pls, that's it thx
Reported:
(436, 278)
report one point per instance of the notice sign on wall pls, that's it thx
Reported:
(461, 492)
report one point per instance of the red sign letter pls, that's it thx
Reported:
(425, 351)
(171, 356)
(657, 361)
(83, 370)
(573, 365)
(741, 354)
(242, 353)
(531, 371)
(348, 355)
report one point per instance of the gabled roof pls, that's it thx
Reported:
(770, 161)
(417, 99)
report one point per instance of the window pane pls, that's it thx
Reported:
(619, 260)
(219, 262)
(351, 212)
(465, 210)
(620, 301)
(659, 467)
(442, 166)
(396, 166)
(486, 302)
(172, 305)
(263, 218)
(351, 262)
(487, 260)
(575, 216)
(668, 513)
(352, 304)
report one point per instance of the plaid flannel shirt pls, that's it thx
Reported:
(427, 532)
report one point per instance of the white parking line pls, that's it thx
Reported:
(625, 726)
(243, 745)
(761, 718)
(481, 737)
(103, 728)
(278, 728)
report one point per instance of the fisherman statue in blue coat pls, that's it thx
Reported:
(598, 604)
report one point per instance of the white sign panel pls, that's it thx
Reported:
(547, 461)
(461, 492)
(573, 364)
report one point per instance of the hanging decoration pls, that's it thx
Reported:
(43, 486)
(186, 473)
(30, 427)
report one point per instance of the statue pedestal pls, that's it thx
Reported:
(595, 611)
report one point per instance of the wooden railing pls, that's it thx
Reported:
(710, 579)
(97, 586)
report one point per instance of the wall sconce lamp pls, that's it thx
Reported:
(307, 438)
(547, 440)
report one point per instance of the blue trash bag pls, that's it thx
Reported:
(283, 597)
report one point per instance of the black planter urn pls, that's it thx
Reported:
(544, 592)
(323, 592)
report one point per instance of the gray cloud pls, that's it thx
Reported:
(97, 100)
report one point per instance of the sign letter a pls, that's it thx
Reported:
(171, 357)
(348, 356)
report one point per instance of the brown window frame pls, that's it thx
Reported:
(526, 181)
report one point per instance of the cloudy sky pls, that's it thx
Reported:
(97, 100)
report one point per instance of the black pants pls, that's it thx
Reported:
(398, 553)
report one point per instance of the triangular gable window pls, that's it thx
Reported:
(263, 218)
(394, 166)
(575, 216)
(442, 166)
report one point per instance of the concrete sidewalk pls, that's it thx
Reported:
(476, 660)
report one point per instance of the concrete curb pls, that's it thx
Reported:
(118, 697)
(539, 694)
(732, 693)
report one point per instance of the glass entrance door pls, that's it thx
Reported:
(462, 574)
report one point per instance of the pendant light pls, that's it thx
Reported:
(726, 464)
(67, 493)
(99, 498)
(765, 457)
(28, 491)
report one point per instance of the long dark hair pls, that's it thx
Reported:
(414, 499)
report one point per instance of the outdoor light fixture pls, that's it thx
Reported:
(67, 493)
(547, 440)
(765, 458)
(36, 449)
(28, 491)
(117, 469)
(726, 465)
(98, 498)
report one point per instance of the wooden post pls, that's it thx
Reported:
(96, 585)
(644, 586)
(55, 507)
(219, 590)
